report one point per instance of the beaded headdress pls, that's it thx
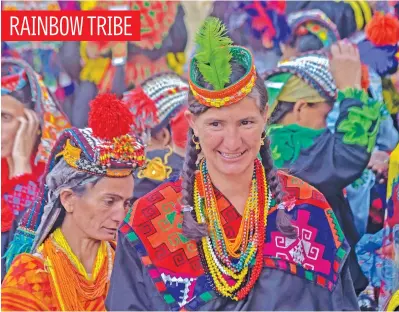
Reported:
(156, 101)
(314, 22)
(52, 119)
(312, 68)
(212, 63)
(104, 149)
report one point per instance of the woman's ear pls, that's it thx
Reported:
(67, 198)
(163, 137)
(299, 110)
(191, 118)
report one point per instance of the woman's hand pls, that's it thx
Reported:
(378, 163)
(345, 65)
(25, 141)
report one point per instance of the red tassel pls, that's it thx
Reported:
(109, 117)
(365, 80)
(143, 109)
(383, 30)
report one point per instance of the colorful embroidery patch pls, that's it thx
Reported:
(173, 263)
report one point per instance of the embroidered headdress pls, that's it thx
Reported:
(105, 149)
(212, 63)
(313, 22)
(52, 119)
(312, 69)
(156, 101)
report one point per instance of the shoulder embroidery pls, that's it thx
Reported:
(320, 249)
(154, 229)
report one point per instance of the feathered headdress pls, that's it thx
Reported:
(212, 65)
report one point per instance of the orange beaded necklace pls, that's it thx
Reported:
(69, 281)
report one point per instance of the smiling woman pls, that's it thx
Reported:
(232, 230)
(68, 235)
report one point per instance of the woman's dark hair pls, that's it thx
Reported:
(193, 230)
(23, 95)
(282, 108)
(306, 43)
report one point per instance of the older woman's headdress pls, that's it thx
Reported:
(105, 149)
(212, 63)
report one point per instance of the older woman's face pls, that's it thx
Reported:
(100, 210)
(11, 110)
(230, 137)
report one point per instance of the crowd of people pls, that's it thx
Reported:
(145, 176)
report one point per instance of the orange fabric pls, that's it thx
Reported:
(28, 286)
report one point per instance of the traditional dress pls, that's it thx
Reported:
(378, 253)
(329, 161)
(237, 260)
(45, 274)
(19, 193)
(159, 102)
(377, 49)
(157, 268)
(118, 66)
(53, 279)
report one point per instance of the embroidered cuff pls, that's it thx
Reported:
(361, 125)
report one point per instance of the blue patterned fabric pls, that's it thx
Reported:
(358, 193)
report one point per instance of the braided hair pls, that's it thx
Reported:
(194, 230)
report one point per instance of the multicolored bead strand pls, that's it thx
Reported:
(233, 265)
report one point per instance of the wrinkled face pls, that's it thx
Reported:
(11, 110)
(230, 136)
(100, 210)
(314, 115)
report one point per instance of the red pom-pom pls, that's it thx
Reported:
(383, 30)
(109, 117)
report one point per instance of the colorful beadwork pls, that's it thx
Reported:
(237, 260)
(315, 22)
(232, 94)
(312, 68)
(155, 101)
(177, 265)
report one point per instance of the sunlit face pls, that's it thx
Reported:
(11, 110)
(314, 115)
(230, 136)
(100, 210)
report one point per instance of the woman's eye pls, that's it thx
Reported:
(6, 117)
(215, 124)
(246, 122)
(109, 202)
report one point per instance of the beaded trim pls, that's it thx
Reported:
(231, 94)
(232, 268)
(113, 159)
(298, 19)
(13, 82)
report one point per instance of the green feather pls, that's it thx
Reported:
(213, 57)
